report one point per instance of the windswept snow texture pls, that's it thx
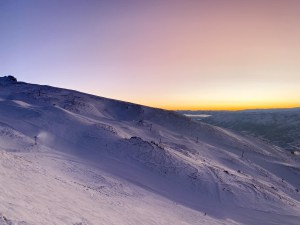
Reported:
(101, 161)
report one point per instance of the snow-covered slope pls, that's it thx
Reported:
(102, 161)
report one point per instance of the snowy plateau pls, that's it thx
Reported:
(72, 158)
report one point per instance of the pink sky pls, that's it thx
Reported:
(171, 54)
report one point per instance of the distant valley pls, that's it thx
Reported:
(280, 127)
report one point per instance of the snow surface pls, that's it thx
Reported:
(102, 161)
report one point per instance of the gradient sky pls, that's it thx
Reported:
(188, 54)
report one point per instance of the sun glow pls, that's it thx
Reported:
(169, 54)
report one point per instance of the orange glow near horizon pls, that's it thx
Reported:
(230, 106)
(208, 54)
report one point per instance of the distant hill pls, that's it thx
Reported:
(277, 126)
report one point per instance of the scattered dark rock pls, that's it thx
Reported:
(274, 188)
(12, 78)
(7, 80)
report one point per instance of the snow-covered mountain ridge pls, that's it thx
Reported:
(71, 158)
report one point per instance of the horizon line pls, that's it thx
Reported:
(217, 107)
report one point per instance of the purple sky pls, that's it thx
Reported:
(171, 54)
